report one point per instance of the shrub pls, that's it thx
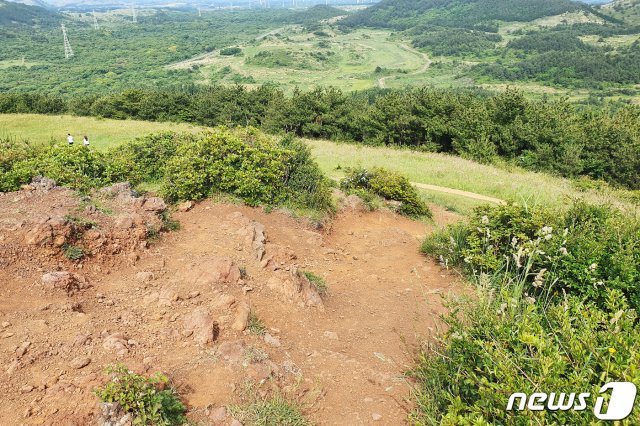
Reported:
(581, 251)
(303, 178)
(148, 399)
(502, 342)
(246, 164)
(230, 51)
(249, 165)
(388, 185)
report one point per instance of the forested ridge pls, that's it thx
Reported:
(549, 135)
(404, 14)
(12, 14)
(554, 55)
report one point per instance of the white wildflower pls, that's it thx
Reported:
(485, 220)
(563, 251)
(530, 300)
(538, 281)
(593, 267)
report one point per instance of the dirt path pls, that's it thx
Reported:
(453, 191)
(423, 69)
(343, 362)
(459, 192)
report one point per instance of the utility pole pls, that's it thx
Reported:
(199, 12)
(95, 21)
(133, 13)
(68, 51)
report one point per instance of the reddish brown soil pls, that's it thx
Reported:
(343, 363)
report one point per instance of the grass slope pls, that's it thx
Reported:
(333, 158)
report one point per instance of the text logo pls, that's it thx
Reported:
(621, 401)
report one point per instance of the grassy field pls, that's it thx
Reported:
(102, 133)
(427, 168)
(292, 57)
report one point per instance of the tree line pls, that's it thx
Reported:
(545, 135)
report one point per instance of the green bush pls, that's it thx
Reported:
(388, 185)
(581, 251)
(303, 178)
(148, 399)
(244, 163)
(503, 342)
(231, 51)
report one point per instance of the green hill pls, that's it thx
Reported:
(20, 14)
(403, 14)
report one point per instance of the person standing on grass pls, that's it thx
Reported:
(69, 138)
(85, 141)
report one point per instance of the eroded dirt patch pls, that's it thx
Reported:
(182, 306)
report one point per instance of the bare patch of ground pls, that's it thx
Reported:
(181, 304)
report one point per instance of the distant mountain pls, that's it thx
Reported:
(12, 13)
(403, 14)
(31, 3)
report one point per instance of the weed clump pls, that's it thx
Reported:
(317, 282)
(149, 399)
(256, 326)
(72, 252)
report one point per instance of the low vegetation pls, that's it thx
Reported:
(317, 282)
(274, 410)
(555, 312)
(150, 400)
(243, 163)
(549, 136)
(389, 185)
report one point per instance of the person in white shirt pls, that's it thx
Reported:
(85, 141)
(69, 138)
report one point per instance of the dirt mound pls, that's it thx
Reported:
(186, 305)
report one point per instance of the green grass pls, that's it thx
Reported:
(273, 411)
(350, 60)
(102, 134)
(454, 172)
(428, 168)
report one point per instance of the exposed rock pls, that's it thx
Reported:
(22, 349)
(235, 423)
(70, 282)
(232, 351)
(55, 231)
(221, 270)
(296, 287)
(154, 204)
(253, 235)
(41, 183)
(241, 321)
(271, 340)
(116, 343)
(201, 326)
(80, 362)
(144, 276)
(185, 207)
(112, 414)
(121, 190)
(224, 301)
(218, 415)
(167, 297)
